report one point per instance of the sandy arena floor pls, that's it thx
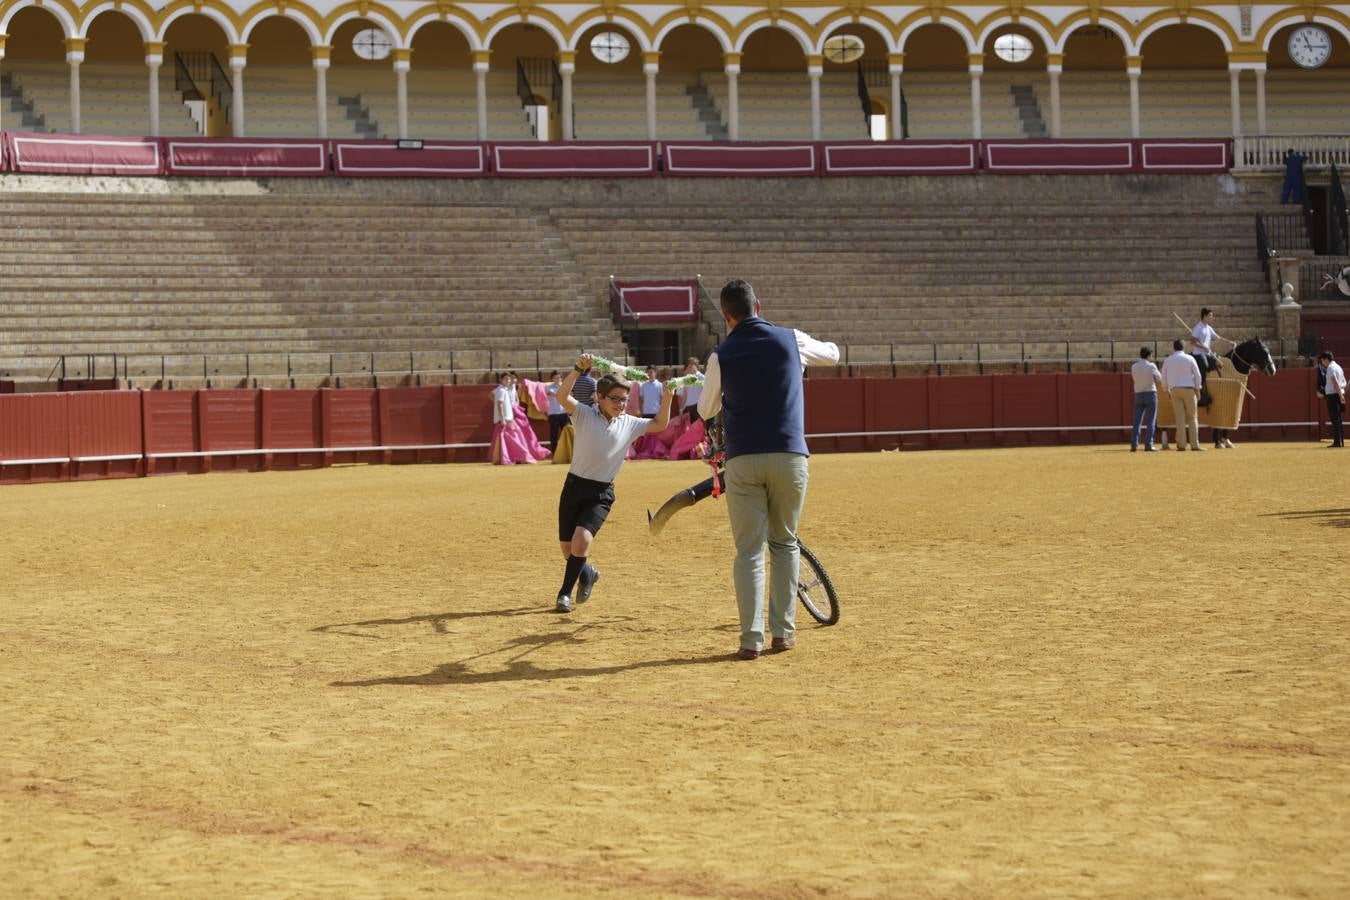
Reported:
(1060, 672)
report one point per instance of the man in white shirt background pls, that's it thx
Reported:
(1146, 380)
(649, 395)
(1335, 395)
(1181, 377)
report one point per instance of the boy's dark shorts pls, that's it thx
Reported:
(584, 503)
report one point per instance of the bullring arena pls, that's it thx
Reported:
(1056, 674)
(272, 626)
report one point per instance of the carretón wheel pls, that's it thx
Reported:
(815, 589)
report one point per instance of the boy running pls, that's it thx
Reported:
(603, 433)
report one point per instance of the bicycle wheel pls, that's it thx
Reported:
(815, 589)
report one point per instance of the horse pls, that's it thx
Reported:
(1226, 389)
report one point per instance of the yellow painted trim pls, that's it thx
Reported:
(1176, 18)
(402, 54)
(693, 16)
(563, 57)
(651, 57)
(826, 26)
(1247, 56)
(481, 56)
(75, 45)
(320, 51)
(1294, 14)
(617, 15)
(363, 8)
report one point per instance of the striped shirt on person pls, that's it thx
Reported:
(583, 389)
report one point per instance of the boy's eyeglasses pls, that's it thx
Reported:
(612, 399)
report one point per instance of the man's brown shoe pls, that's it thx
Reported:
(784, 643)
(747, 653)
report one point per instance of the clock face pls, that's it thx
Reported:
(1309, 46)
(609, 46)
(371, 43)
(843, 48)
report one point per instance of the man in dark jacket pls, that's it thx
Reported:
(754, 378)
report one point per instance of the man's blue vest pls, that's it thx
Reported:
(761, 390)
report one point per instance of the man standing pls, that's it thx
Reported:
(1181, 377)
(1146, 380)
(754, 378)
(649, 395)
(1335, 393)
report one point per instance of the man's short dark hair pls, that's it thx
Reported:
(1177, 344)
(1327, 355)
(1145, 352)
(738, 299)
(1204, 311)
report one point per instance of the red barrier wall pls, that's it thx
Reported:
(108, 434)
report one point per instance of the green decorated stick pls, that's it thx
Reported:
(632, 373)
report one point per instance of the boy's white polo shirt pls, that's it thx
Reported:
(600, 445)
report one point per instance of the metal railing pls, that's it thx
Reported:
(200, 71)
(479, 366)
(1286, 232)
(1267, 151)
(1317, 277)
(865, 99)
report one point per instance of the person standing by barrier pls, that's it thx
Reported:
(1335, 396)
(1146, 380)
(649, 395)
(1181, 377)
(754, 379)
(603, 434)
(557, 416)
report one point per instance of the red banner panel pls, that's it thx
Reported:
(468, 417)
(231, 420)
(351, 417)
(573, 159)
(1061, 157)
(411, 416)
(292, 420)
(105, 434)
(171, 427)
(1182, 157)
(655, 301)
(961, 403)
(84, 154)
(901, 158)
(34, 437)
(833, 406)
(245, 157)
(434, 159)
(774, 160)
(1278, 403)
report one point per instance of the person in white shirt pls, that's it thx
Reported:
(649, 395)
(1146, 380)
(689, 394)
(603, 434)
(1181, 377)
(557, 416)
(503, 401)
(1335, 394)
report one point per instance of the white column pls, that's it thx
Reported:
(732, 67)
(401, 68)
(1260, 101)
(1133, 74)
(813, 72)
(1235, 100)
(1054, 72)
(897, 127)
(237, 86)
(152, 62)
(568, 126)
(321, 96)
(480, 70)
(2, 59)
(650, 69)
(976, 108)
(75, 57)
